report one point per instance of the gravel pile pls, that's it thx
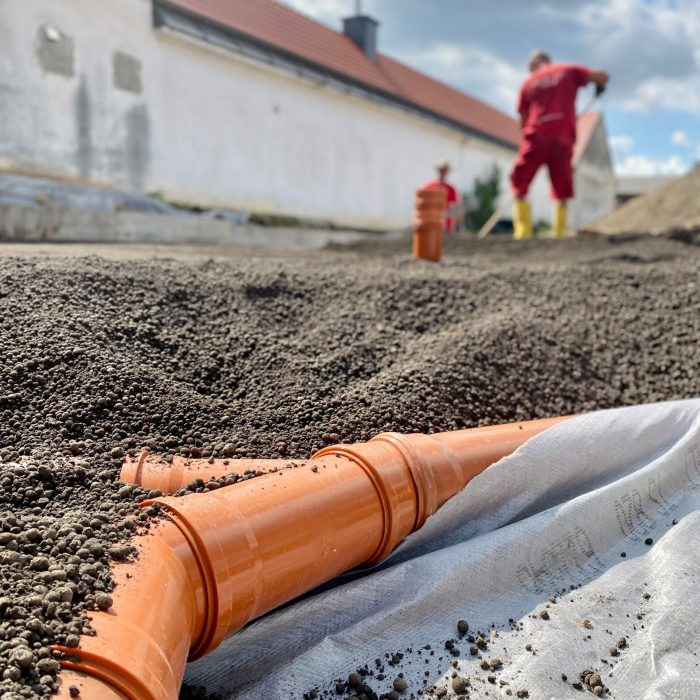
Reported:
(277, 356)
(672, 209)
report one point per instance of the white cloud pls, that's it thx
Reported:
(490, 78)
(681, 138)
(445, 56)
(329, 11)
(650, 49)
(682, 94)
(645, 165)
(622, 144)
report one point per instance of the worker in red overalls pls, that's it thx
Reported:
(443, 167)
(547, 107)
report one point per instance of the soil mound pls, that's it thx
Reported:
(673, 209)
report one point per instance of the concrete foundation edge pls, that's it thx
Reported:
(51, 223)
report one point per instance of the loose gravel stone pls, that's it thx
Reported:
(103, 600)
(459, 684)
(399, 684)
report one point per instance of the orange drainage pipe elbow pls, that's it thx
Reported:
(226, 557)
(143, 641)
(428, 223)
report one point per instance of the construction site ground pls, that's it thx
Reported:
(233, 352)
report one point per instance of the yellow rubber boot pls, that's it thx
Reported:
(522, 220)
(559, 222)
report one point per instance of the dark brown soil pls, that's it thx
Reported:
(258, 357)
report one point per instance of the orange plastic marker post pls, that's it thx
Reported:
(428, 224)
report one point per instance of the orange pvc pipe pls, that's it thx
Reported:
(150, 471)
(429, 223)
(153, 472)
(225, 557)
(87, 686)
(143, 640)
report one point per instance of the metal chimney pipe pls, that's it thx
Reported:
(362, 30)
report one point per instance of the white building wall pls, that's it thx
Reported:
(594, 182)
(208, 127)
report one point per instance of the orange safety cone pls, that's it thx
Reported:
(223, 558)
(428, 223)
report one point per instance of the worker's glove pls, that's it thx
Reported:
(599, 90)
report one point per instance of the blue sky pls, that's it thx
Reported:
(650, 47)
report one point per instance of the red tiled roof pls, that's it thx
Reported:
(289, 31)
(457, 106)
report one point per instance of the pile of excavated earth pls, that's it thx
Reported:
(673, 209)
(241, 355)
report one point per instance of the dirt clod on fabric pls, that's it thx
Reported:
(258, 356)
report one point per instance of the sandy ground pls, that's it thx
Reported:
(671, 209)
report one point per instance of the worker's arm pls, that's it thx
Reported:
(600, 78)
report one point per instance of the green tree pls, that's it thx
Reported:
(481, 202)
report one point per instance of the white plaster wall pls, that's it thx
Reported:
(212, 128)
(594, 182)
(80, 125)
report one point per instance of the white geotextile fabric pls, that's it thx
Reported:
(558, 512)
